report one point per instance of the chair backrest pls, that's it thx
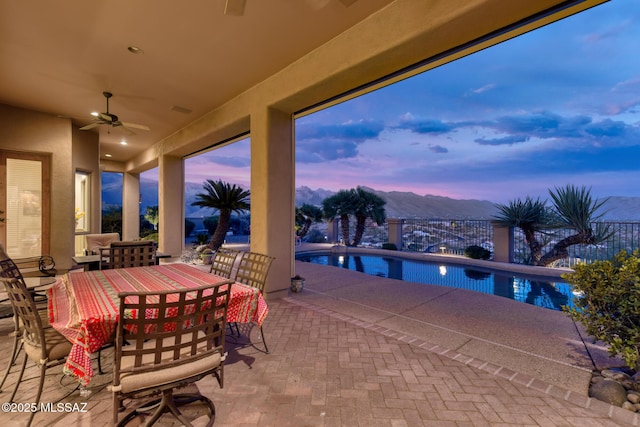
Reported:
(223, 261)
(8, 268)
(170, 328)
(95, 242)
(128, 254)
(24, 307)
(253, 269)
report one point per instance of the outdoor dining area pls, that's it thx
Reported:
(343, 352)
(162, 326)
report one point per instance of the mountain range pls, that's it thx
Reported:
(399, 204)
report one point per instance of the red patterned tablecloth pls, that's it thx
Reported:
(84, 306)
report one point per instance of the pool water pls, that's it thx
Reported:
(539, 291)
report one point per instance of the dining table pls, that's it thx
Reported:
(84, 305)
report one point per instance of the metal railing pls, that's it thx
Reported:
(453, 236)
(624, 235)
(446, 235)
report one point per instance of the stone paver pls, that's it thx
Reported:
(328, 369)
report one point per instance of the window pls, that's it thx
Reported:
(83, 202)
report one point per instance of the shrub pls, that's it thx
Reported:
(201, 238)
(609, 303)
(315, 236)
(477, 252)
(150, 236)
(390, 246)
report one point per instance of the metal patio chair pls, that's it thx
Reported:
(253, 269)
(179, 341)
(223, 261)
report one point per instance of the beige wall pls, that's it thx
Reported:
(86, 158)
(23, 130)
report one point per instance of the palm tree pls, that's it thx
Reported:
(226, 198)
(340, 205)
(151, 215)
(306, 214)
(573, 208)
(531, 216)
(368, 205)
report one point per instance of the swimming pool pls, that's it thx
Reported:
(540, 291)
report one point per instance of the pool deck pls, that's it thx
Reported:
(359, 350)
(528, 340)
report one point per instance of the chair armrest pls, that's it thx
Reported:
(44, 264)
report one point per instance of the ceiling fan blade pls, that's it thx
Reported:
(135, 126)
(125, 128)
(90, 126)
(108, 117)
(234, 7)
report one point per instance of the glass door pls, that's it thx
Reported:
(24, 203)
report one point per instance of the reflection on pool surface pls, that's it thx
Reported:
(540, 291)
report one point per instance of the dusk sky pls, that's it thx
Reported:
(560, 105)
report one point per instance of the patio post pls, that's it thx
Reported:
(502, 243)
(332, 231)
(272, 194)
(130, 206)
(395, 231)
(170, 204)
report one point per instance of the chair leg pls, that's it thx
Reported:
(17, 346)
(19, 380)
(100, 362)
(264, 341)
(43, 370)
(169, 403)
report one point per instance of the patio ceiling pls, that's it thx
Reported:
(58, 57)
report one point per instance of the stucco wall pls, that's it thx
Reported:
(24, 130)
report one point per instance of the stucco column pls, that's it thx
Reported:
(502, 243)
(332, 230)
(170, 205)
(395, 231)
(130, 206)
(272, 194)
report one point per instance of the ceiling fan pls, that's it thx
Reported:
(111, 119)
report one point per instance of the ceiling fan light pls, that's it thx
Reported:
(95, 114)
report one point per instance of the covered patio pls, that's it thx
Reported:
(358, 350)
(258, 91)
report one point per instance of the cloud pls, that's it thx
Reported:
(610, 128)
(316, 143)
(317, 151)
(507, 140)
(352, 130)
(543, 124)
(438, 149)
(232, 161)
(484, 88)
(424, 126)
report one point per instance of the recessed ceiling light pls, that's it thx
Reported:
(95, 114)
(107, 155)
(135, 50)
(123, 142)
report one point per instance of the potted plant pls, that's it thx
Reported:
(206, 254)
(297, 283)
